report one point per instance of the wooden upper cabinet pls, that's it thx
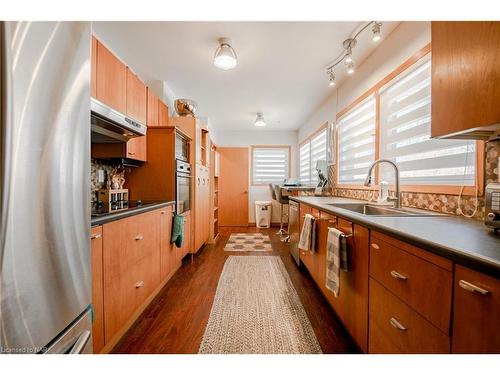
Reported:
(136, 148)
(111, 79)
(136, 98)
(152, 109)
(93, 68)
(476, 312)
(162, 114)
(465, 76)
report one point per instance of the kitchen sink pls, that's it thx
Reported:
(376, 210)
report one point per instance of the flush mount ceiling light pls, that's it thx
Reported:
(348, 45)
(259, 121)
(225, 58)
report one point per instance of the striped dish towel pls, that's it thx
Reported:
(336, 259)
(308, 234)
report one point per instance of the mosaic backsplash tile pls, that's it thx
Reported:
(95, 165)
(445, 203)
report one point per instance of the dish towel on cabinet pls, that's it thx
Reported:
(178, 230)
(336, 259)
(308, 234)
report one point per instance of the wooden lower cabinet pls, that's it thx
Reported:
(397, 328)
(476, 317)
(187, 242)
(97, 290)
(137, 257)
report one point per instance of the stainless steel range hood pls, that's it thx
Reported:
(111, 126)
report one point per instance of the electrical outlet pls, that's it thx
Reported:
(100, 175)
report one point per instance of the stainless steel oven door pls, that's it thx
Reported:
(183, 193)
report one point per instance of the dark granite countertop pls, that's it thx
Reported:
(467, 242)
(104, 218)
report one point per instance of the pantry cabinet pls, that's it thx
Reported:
(202, 202)
(110, 79)
(465, 76)
(476, 312)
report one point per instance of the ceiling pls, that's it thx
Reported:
(280, 72)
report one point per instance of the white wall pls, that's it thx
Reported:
(257, 137)
(401, 44)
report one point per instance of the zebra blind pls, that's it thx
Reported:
(318, 152)
(405, 134)
(356, 142)
(305, 163)
(270, 165)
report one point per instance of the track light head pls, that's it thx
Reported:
(350, 68)
(331, 82)
(376, 31)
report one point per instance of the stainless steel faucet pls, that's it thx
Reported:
(368, 181)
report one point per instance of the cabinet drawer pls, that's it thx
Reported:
(142, 281)
(396, 328)
(423, 285)
(142, 236)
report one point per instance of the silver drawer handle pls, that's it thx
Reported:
(397, 275)
(96, 236)
(472, 288)
(375, 246)
(397, 325)
(139, 238)
(140, 284)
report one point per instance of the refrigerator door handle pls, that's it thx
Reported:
(80, 343)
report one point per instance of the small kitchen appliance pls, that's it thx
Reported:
(492, 206)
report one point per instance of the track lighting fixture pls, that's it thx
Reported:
(332, 78)
(348, 46)
(376, 31)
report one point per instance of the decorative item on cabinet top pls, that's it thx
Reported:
(185, 107)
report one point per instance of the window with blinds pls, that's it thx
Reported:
(305, 163)
(405, 130)
(356, 142)
(318, 152)
(270, 165)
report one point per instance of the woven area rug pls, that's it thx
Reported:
(257, 311)
(248, 242)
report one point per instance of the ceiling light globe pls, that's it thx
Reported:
(350, 68)
(348, 59)
(225, 58)
(331, 83)
(376, 36)
(259, 121)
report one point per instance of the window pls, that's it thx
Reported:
(305, 163)
(356, 142)
(312, 150)
(270, 164)
(405, 130)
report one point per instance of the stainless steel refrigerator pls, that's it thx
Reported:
(45, 280)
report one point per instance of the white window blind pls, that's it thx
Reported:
(318, 152)
(270, 165)
(405, 130)
(356, 142)
(305, 163)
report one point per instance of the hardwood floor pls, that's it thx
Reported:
(176, 319)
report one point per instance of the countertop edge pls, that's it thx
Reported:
(127, 213)
(474, 261)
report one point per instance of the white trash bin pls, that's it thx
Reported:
(263, 214)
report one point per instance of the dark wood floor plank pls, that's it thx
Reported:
(175, 321)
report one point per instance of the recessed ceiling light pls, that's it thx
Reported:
(225, 58)
(259, 121)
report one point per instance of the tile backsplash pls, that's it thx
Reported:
(95, 165)
(445, 203)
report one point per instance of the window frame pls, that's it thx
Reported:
(433, 189)
(309, 138)
(253, 147)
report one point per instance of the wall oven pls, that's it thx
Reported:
(183, 186)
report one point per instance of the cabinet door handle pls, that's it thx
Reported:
(472, 288)
(139, 238)
(96, 236)
(163, 212)
(397, 275)
(140, 284)
(375, 246)
(397, 325)
(131, 153)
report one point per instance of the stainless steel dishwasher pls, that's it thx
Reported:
(294, 230)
